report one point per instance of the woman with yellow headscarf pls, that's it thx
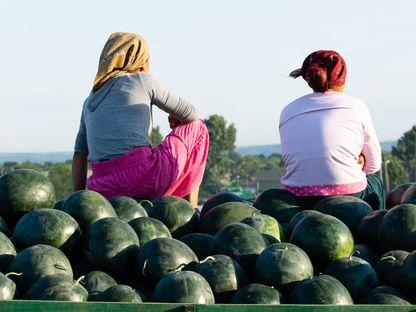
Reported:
(115, 125)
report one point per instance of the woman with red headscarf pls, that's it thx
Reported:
(329, 146)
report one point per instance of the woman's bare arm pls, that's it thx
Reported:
(79, 171)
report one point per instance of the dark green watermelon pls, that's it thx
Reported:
(148, 228)
(367, 230)
(74, 292)
(224, 214)
(388, 266)
(264, 224)
(127, 208)
(348, 209)
(278, 203)
(97, 282)
(200, 243)
(219, 199)
(160, 257)
(386, 295)
(409, 196)
(394, 197)
(3, 226)
(87, 207)
(7, 287)
(183, 287)
(176, 213)
(282, 265)
(36, 262)
(321, 289)
(49, 227)
(355, 274)
(112, 245)
(48, 281)
(119, 293)
(398, 228)
(407, 275)
(59, 204)
(241, 242)
(366, 253)
(24, 190)
(7, 252)
(224, 275)
(297, 217)
(324, 238)
(257, 294)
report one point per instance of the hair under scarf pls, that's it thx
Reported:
(123, 52)
(322, 70)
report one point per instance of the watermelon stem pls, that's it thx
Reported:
(355, 251)
(144, 266)
(179, 268)
(388, 257)
(206, 259)
(79, 280)
(13, 273)
(148, 202)
(60, 267)
(255, 212)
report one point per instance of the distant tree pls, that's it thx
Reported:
(273, 162)
(406, 152)
(9, 165)
(155, 137)
(60, 175)
(48, 164)
(246, 167)
(396, 172)
(221, 154)
(30, 165)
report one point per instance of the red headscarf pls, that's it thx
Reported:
(322, 70)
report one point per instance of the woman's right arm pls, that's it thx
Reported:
(371, 147)
(173, 105)
(79, 171)
(80, 159)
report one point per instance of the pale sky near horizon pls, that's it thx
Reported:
(226, 57)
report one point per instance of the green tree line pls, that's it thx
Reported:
(225, 167)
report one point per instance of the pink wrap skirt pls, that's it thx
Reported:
(175, 167)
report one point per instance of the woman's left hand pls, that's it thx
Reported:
(173, 122)
(361, 160)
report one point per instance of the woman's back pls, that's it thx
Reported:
(118, 117)
(322, 136)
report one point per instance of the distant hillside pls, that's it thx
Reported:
(388, 145)
(267, 150)
(55, 157)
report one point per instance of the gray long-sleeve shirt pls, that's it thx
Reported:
(118, 117)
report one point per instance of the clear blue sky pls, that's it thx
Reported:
(227, 57)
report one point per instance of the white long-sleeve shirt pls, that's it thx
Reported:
(322, 136)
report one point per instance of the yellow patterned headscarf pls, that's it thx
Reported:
(122, 53)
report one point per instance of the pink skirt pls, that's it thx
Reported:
(175, 167)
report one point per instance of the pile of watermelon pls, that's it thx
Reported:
(273, 251)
